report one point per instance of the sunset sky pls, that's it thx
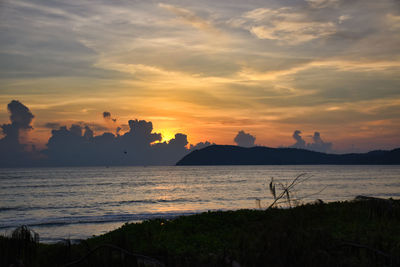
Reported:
(208, 68)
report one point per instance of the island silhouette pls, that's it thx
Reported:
(259, 155)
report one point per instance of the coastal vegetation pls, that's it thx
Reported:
(362, 232)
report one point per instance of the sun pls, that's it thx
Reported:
(167, 134)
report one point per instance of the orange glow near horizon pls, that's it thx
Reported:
(208, 72)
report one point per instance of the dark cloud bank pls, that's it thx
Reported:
(78, 146)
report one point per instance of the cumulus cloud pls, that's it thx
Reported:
(77, 145)
(76, 129)
(200, 145)
(180, 140)
(111, 122)
(106, 115)
(244, 139)
(20, 117)
(141, 131)
(300, 143)
(12, 150)
(317, 143)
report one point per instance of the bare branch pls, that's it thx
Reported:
(286, 194)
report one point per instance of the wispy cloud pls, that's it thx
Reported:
(340, 65)
(393, 21)
(190, 18)
(286, 25)
(210, 65)
(322, 3)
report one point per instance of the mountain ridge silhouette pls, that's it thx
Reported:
(260, 155)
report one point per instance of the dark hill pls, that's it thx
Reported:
(235, 155)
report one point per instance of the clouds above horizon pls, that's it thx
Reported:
(13, 148)
(244, 139)
(317, 143)
(77, 145)
(205, 67)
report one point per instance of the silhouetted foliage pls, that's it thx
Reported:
(363, 232)
(20, 247)
(286, 195)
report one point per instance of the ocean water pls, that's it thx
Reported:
(76, 203)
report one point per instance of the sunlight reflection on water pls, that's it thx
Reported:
(79, 202)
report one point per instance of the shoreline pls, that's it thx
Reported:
(320, 234)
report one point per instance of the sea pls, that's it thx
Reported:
(75, 203)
